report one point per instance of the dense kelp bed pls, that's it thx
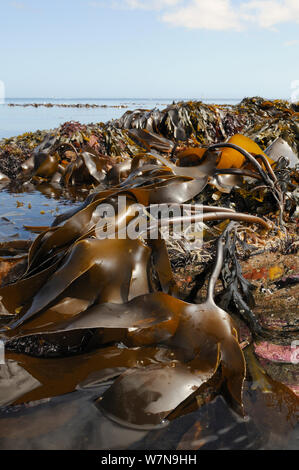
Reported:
(190, 123)
(152, 331)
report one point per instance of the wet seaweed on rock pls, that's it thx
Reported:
(188, 124)
(79, 290)
(184, 327)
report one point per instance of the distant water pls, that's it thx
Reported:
(17, 120)
(32, 206)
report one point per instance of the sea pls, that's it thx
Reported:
(17, 120)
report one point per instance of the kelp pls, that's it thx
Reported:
(189, 124)
(61, 161)
(14, 248)
(82, 260)
(4, 180)
(120, 291)
(201, 123)
(69, 245)
(281, 149)
(203, 335)
(229, 157)
(150, 140)
(92, 262)
(63, 423)
(207, 337)
(264, 171)
(223, 170)
(211, 427)
(282, 403)
(86, 168)
(180, 326)
(15, 382)
(154, 392)
(57, 376)
(237, 289)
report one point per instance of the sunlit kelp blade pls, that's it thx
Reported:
(280, 403)
(281, 149)
(18, 294)
(193, 324)
(150, 140)
(110, 264)
(14, 248)
(57, 376)
(147, 312)
(202, 328)
(230, 158)
(176, 189)
(148, 395)
(206, 336)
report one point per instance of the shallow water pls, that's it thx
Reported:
(17, 120)
(31, 206)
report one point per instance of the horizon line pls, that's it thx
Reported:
(112, 98)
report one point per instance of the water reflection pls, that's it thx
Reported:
(29, 205)
(72, 421)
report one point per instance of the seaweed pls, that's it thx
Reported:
(80, 291)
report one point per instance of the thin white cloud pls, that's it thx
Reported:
(19, 5)
(270, 13)
(295, 42)
(136, 4)
(152, 4)
(205, 14)
(215, 14)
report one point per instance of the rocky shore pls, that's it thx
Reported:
(186, 123)
(236, 163)
(65, 105)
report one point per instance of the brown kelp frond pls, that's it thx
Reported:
(58, 376)
(154, 392)
(203, 331)
(64, 162)
(83, 222)
(281, 403)
(120, 291)
(69, 162)
(267, 175)
(108, 266)
(91, 289)
(149, 313)
(150, 140)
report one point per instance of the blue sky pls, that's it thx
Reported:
(149, 49)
